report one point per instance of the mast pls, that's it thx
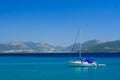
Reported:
(80, 52)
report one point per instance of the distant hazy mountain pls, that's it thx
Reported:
(109, 46)
(25, 47)
(96, 46)
(76, 47)
(90, 43)
(33, 47)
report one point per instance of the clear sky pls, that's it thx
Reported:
(58, 21)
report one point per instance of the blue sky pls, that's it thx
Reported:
(58, 21)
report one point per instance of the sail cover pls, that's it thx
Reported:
(88, 59)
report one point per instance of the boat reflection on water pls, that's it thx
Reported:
(84, 69)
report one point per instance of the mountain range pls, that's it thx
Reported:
(37, 47)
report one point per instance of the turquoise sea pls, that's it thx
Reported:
(55, 68)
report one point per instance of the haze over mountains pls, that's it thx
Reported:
(34, 47)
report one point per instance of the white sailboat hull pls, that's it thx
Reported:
(82, 64)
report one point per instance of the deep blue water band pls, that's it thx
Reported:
(62, 54)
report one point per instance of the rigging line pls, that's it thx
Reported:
(75, 40)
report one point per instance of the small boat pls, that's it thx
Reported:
(102, 65)
(83, 62)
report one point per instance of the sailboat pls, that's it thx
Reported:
(83, 62)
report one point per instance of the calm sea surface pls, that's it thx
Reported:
(55, 68)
